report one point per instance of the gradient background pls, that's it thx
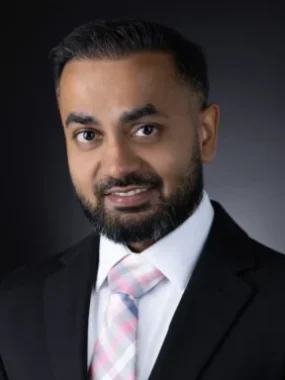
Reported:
(244, 45)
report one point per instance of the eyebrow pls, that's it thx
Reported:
(126, 117)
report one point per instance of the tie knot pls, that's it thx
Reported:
(133, 275)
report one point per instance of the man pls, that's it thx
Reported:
(167, 286)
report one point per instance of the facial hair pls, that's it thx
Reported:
(148, 222)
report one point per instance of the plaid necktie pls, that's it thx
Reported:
(115, 352)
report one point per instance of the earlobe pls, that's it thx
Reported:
(209, 124)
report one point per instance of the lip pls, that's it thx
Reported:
(124, 189)
(135, 200)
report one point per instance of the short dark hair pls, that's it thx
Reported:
(113, 39)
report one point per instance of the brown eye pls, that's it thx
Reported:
(87, 136)
(146, 130)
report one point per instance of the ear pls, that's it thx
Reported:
(208, 132)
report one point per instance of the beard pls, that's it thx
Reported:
(150, 222)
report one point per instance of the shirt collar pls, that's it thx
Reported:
(175, 255)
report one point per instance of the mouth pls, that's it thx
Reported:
(130, 196)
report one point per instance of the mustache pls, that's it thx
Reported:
(149, 180)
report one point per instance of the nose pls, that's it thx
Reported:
(119, 160)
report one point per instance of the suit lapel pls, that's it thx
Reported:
(66, 307)
(214, 299)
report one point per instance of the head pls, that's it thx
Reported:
(133, 100)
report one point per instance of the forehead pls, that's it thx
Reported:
(101, 85)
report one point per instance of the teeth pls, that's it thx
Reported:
(130, 193)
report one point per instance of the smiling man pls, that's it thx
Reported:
(167, 286)
(135, 135)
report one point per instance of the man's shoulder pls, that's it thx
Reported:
(267, 273)
(36, 270)
(267, 265)
(267, 253)
(228, 227)
(269, 260)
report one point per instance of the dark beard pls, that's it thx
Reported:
(148, 222)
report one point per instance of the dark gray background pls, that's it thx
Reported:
(245, 49)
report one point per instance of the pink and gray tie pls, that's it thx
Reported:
(115, 352)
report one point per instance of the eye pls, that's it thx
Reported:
(146, 130)
(87, 136)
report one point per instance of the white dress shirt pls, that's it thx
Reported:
(175, 256)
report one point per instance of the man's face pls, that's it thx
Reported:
(136, 140)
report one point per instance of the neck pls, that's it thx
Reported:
(140, 247)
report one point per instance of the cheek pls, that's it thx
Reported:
(170, 166)
(81, 168)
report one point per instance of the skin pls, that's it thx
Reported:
(104, 90)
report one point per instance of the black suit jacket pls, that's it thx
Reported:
(229, 325)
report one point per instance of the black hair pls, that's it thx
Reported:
(113, 39)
